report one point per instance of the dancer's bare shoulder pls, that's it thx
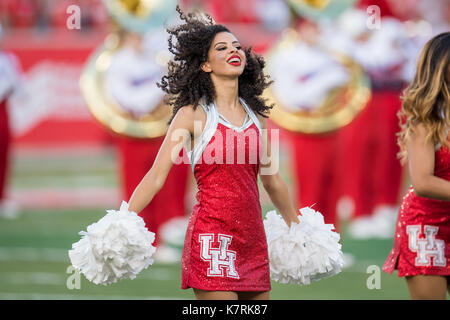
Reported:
(187, 116)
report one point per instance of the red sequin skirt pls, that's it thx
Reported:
(225, 251)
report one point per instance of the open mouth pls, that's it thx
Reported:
(234, 60)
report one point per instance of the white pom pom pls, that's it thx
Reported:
(305, 252)
(118, 246)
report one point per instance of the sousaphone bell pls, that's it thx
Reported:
(140, 17)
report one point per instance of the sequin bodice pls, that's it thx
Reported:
(227, 172)
(226, 163)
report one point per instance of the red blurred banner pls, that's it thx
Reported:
(52, 63)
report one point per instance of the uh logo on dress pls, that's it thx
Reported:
(426, 247)
(220, 259)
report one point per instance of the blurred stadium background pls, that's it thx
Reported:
(64, 168)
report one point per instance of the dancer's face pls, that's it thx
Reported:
(225, 56)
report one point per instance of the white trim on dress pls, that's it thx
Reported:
(213, 117)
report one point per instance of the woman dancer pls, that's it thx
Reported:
(225, 253)
(422, 238)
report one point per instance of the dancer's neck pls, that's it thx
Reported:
(227, 92)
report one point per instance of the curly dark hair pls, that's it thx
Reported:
(186, 83)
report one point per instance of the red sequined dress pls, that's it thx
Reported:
(422, 236)
(225, 247)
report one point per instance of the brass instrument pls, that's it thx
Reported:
(136, 16)
(317, 4)
(339, 108)
(319, 9)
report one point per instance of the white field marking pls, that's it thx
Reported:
(53, 278)
(59, 296)
(155, 273)
(62, 256)
(34, 254)
(41, 166)
(66, 182)
(360, 266)
(42, 278)
(47, 255)
(86, 150)
(62, 198)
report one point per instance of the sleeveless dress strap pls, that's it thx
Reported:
(208, 132)
(252, 115)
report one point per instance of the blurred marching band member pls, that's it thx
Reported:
(232, 11)
(422, 237)
(368, 143)
(131, 82)
(21, 13)
(10, 74)
(270, 14)
(303, 81)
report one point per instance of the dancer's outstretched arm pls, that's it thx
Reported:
(178, 135)
(273, 183)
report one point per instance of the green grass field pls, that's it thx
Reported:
(34, 247)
